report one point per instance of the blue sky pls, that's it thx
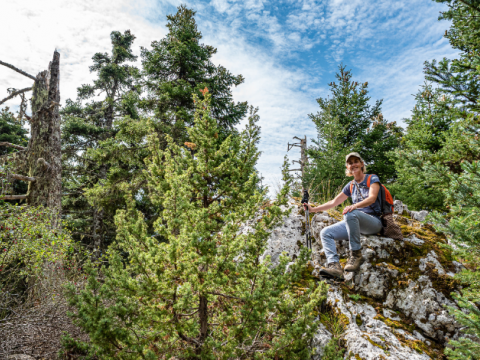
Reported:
(288, 51)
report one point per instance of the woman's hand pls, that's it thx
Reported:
(349, 208)
(310, 208)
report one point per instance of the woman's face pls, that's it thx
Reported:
(354, 165)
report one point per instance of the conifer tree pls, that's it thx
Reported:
(423, 144)
(175, 68)
(347, 122)
(178, 66)
(86, 127)
(462, 225)
(458, 164)
(205, 293)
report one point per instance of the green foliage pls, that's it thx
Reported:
(336, 325)
(204, 293)
(75, 349)
(11, 131)
(465, 348)
(178, 66)
(333, 351)
(346, 122)
(423, 147)
(28, 245)
(88, 130)
(355, 297)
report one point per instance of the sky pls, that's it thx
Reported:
(288, 51)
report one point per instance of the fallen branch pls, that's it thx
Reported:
(15, 93)
(18, 70)
(13, 197)
(7, 144)
(19, 177)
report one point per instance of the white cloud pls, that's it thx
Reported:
(77, 29)
(386, 42)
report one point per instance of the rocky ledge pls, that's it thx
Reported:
(394, 307)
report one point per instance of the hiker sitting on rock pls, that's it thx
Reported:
(361, 217)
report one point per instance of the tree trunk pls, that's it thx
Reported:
(43, 159)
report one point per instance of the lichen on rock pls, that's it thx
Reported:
(395, 304)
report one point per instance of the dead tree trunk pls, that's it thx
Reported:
(41, 160)
(44, 147)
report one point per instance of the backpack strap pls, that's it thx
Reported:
(351, 188)
(368, 180)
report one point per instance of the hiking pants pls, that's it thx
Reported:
(354, 223)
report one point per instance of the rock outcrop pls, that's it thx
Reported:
(394, 307)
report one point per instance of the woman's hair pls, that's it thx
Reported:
(364, 169)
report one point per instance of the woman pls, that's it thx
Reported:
(361, 217)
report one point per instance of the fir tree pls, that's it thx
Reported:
(205, 293)
(347, 122)
(87, 127)
(178, 66)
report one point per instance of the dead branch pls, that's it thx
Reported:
(18, 70)
(19, 177)
(13, 197)
(15, 93)
(7, 144)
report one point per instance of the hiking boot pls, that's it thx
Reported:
(332, 270)
(354, 261)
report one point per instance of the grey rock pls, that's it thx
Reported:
(419, 215)
(319, 341)
(432, 258)
(414, 240)
(368, 334)
(20, 357)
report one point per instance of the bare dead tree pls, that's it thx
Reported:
(40, 162)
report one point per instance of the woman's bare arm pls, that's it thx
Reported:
(340, 198)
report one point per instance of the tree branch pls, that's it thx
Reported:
(15, 93)
(7, 144)
(19, 177)
(13, 197)
(18, 70)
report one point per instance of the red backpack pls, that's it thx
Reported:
(386, 199)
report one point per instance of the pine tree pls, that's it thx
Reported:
(204, 293)
(86, 129)
(347, 122)
(422, 145)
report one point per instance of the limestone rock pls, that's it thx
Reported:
(419, 215)
(320, 340)
(396, 301)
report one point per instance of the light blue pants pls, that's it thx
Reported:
(354, 223)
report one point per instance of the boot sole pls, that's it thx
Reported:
(330, 276)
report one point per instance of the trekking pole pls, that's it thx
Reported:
(306, 196)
